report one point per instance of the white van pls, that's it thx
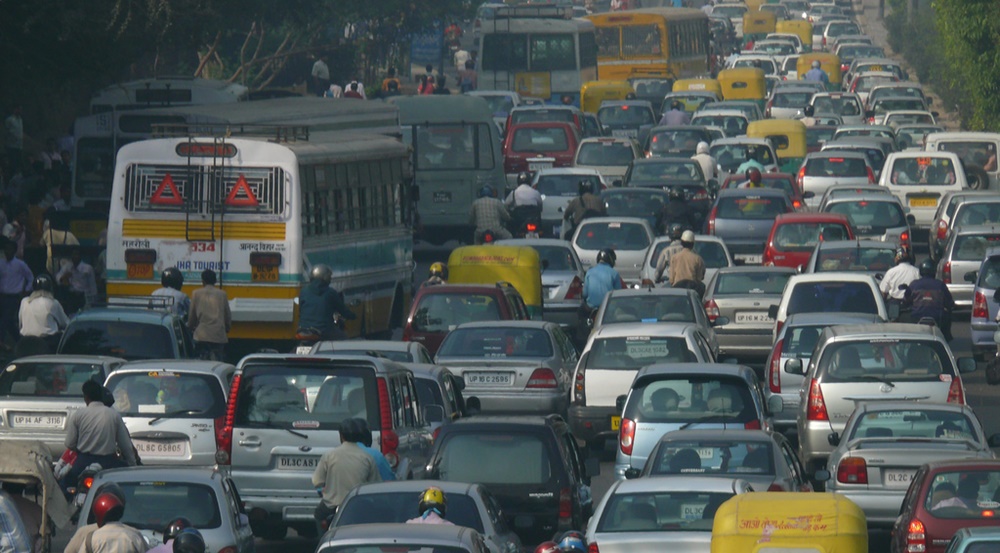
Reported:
(921, 179)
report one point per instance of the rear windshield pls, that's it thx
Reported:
(898, 118)
(495, 458)
(308, 398)
(696, 399)
(637, 351)
(838, 105)
(800, 341)
(815, 134)
(395, 507)
(661, 512)
(399, 356)
(866, 83)
(730, 156)
(443, 312)
(557, 257)
(565, 185)
(781, 183)
(542, 115)
(856, 258)
(922, 171)
(665, 142)
(617, 236)
(751, 283)
(839, 29)
(126, 339)
(867, 216)
(791, 99)
(149, 504)
(893, 104)
(729, 11)
(713, 253)
(915, 422)
(966, 494)
(605, 153)
(976, 213)
(167, 394)
(625, 116)
(832, 297)
(733, 125)
(540, 140)
(750, 207)
(647, 204)
(496, 343)
(713, 457)
(803, 237)
(500, 103)
(862, 132)
(397, 546)
(28, 379)
(648, 309)
(666, 172)
(886, 360)
(989, 274)
(972, 247)
(982, 154)
(833, 167)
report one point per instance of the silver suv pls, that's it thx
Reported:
(872, 362)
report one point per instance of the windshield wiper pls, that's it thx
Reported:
(713, 418)
(174, 414)
(295, 433)
(881, 379)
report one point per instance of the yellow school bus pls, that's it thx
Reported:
(655, 42)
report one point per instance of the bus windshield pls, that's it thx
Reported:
(451, 147)
(535, 52)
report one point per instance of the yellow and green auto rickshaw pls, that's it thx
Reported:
(789, 522)
(519, 266)
(800, 27)
(705, 84)
(757, 24)
(788, 136)
(592, 93)
(744, 83)
(830, 63)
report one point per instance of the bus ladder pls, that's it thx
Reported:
(209, 202)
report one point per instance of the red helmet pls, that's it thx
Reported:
(107, 507)
(753, 175)
(548, 547)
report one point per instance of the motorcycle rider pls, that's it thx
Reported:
(572, 544)
(40, 315)
(902, 273)
(524, 202)
(173, 281)
(112, 536)
(585, 204)
(488, 214)
(676, 231)
(676, 115)
(548, 547)
(754, 179)
(174, 527)
(928, 297)
(189, 540)
(319, 303)
(808, 118)
(678, 211)
(687, 268)
(709, 166)
(80, 536)
(438, 274)
(97, 433)
(432, 508)
(751, 161)
(600, 279)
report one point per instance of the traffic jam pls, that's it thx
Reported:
(711, 278)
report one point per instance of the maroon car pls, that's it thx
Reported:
(544, 139)
(794, 236)
(944, 497)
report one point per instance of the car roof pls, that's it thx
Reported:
(433, 534)
(835, 153)
(458, 288)
(875, 197)
(899, 406)
(743, 269)
(863, 127)
(661, 161)
(796, 89)
(415, 486)
(697, 238)
(719, 111)
(605, 139)
(568, 171)
(355, 345)
(740, 192)
(620, 103)
(898, 98)
(879, 244)
(159, 473)
(681, 482)
(535, 242)
(507, 420)
(962, 136)
(176, 365)
(659, 329)
(715, 369)
(127, 314)
(832, 318)
(966, 464)
(68, 358)
(832, 276)
(977, 229)
(743, 139)
(740, 434)
(536, 324)
(922, 153)
(811, 217)
(605, 220)
(884, 330)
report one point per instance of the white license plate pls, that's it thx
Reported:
(161, 448)
(37, 421)
(706, 453)
(625, 133)
(898, 478)
(489, 379)
(750, 259)
(753, 317)
(297, 462)
(692, 511)
(303, 350)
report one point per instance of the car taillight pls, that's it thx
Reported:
(224, 431)
(565, 507)
(774, 369)
(980, 310)
(580, 386)
(777, 327)
(946, 272)
(816, 410)
(542, 378)
(775, 488)
(802, 176)
(852, 470)
(871, 175)
(436, 433)
(942, 229)
(916, 537)
(407, 333)
(228, 549)
(592, 548)
(712, 310)
(796, 204)
(904, 239)
(711, 220)
(626, 436)
(575, 290)
(752, 425)
(955, 392)
(389, 439)
(531, 227)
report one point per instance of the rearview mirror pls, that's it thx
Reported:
(910, 219)
(721, 321)
(972, 276)
(966, 364)
(833, 439)
(631, 473)
(620, 403)
(808, 194)
(772, 311)
(775, 404)
(794, 366)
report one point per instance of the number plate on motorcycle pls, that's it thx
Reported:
(161, 448)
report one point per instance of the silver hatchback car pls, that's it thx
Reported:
(874, 217)
(562, 277)
(630, 237)
(964, 252)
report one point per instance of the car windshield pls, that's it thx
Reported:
(734, 125)
(729, 11)
(622, 308)
(833, 296)
(791, 99)
(860, 51)
(499, 104)
(661, 512)
(972, 247)
(395, 507)
(779, 48)
(886, 360)
(976, 213)
(428, 392)
(840, 29)
(556, 258)
(713, 253)
(279, 396)
(534, 139)
(634, 116)
(914, 422)
(499, 457)
(803, 237)
(989, 273)
(645, 174)
(835, 166)
(982, 154)
(965, 494)
(864, 83)
(150, 505)
(713, 457)
(48, 379)
(605, 153)
(800, 341)
(656, 88)
(856, 258)
(816, 134)
(765, 65)
(845, 133)
(128, 339)
(565, 185)
(443, 312)
(750, 207)
(519, 116)
(617, 236)
(648, 204)
(868, 216)
(496, 343)
(730, 156)
(886, 105)
(167, 393)
(927, 170)
(837, 105)
(750, 283)
(694, 399)
(633, 352)
(908, 137)
(778, 183)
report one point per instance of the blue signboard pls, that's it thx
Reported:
(426, 49)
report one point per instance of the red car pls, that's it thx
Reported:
(781, 181)
(794, 236)
(944, 497)
(544, 139)
(438, 309)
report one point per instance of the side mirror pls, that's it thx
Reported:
(772, 311)
(721, 321)
(966, 364)
(808, 194)
(821, 475)
(910, 219)
(972, 276)
(775, 404)
(473, 406)
(620, 403)
(994, 440)
(833, 439)
(432, 413)
(794, 366)
(892, 310)
(631, 473)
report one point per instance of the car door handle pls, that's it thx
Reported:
(250, 443)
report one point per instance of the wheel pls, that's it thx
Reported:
(977, 177)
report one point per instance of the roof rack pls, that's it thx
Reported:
(534, 11)
(155, 303)
(273, 133)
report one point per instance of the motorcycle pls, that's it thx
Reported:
(308, 337)
(526, 221)
(484, 237)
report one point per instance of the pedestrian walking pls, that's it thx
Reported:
(15, 283)
(210, 318)
(320, 76)
(78, 277)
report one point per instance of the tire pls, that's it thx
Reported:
(977, 177)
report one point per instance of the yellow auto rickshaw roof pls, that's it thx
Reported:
(789, 515)
(741, 74)
(823, 57)
(684, 85)
(518, 265)
(773, 126)
(797, 24)
(604, 85)
(762, 17)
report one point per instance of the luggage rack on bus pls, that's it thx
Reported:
(273, 133)
(534, 11)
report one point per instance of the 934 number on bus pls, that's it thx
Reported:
(202, 246)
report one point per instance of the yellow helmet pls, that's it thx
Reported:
(439, 269)
(433, 498)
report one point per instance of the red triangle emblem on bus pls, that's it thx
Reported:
(172, 196)
(241, 195)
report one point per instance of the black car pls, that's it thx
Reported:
(647, 203)
(665, 173)
(531, 464)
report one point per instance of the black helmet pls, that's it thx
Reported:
(189, 540)
(321, 273)
(486, 191)
(903, 254)
(42, 282)
(809, 111)
(523, 178)
(607, 255)
(676, 230)
(172, 278)
(351, 430)
(927, 268)
(175, 527)
(585, 187)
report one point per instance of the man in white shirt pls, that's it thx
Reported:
(79, 276)
(40, 314)
(903, 273)
(524, 194)
(173, 281)
(461, 56)
(704, 158)
(320, 76)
